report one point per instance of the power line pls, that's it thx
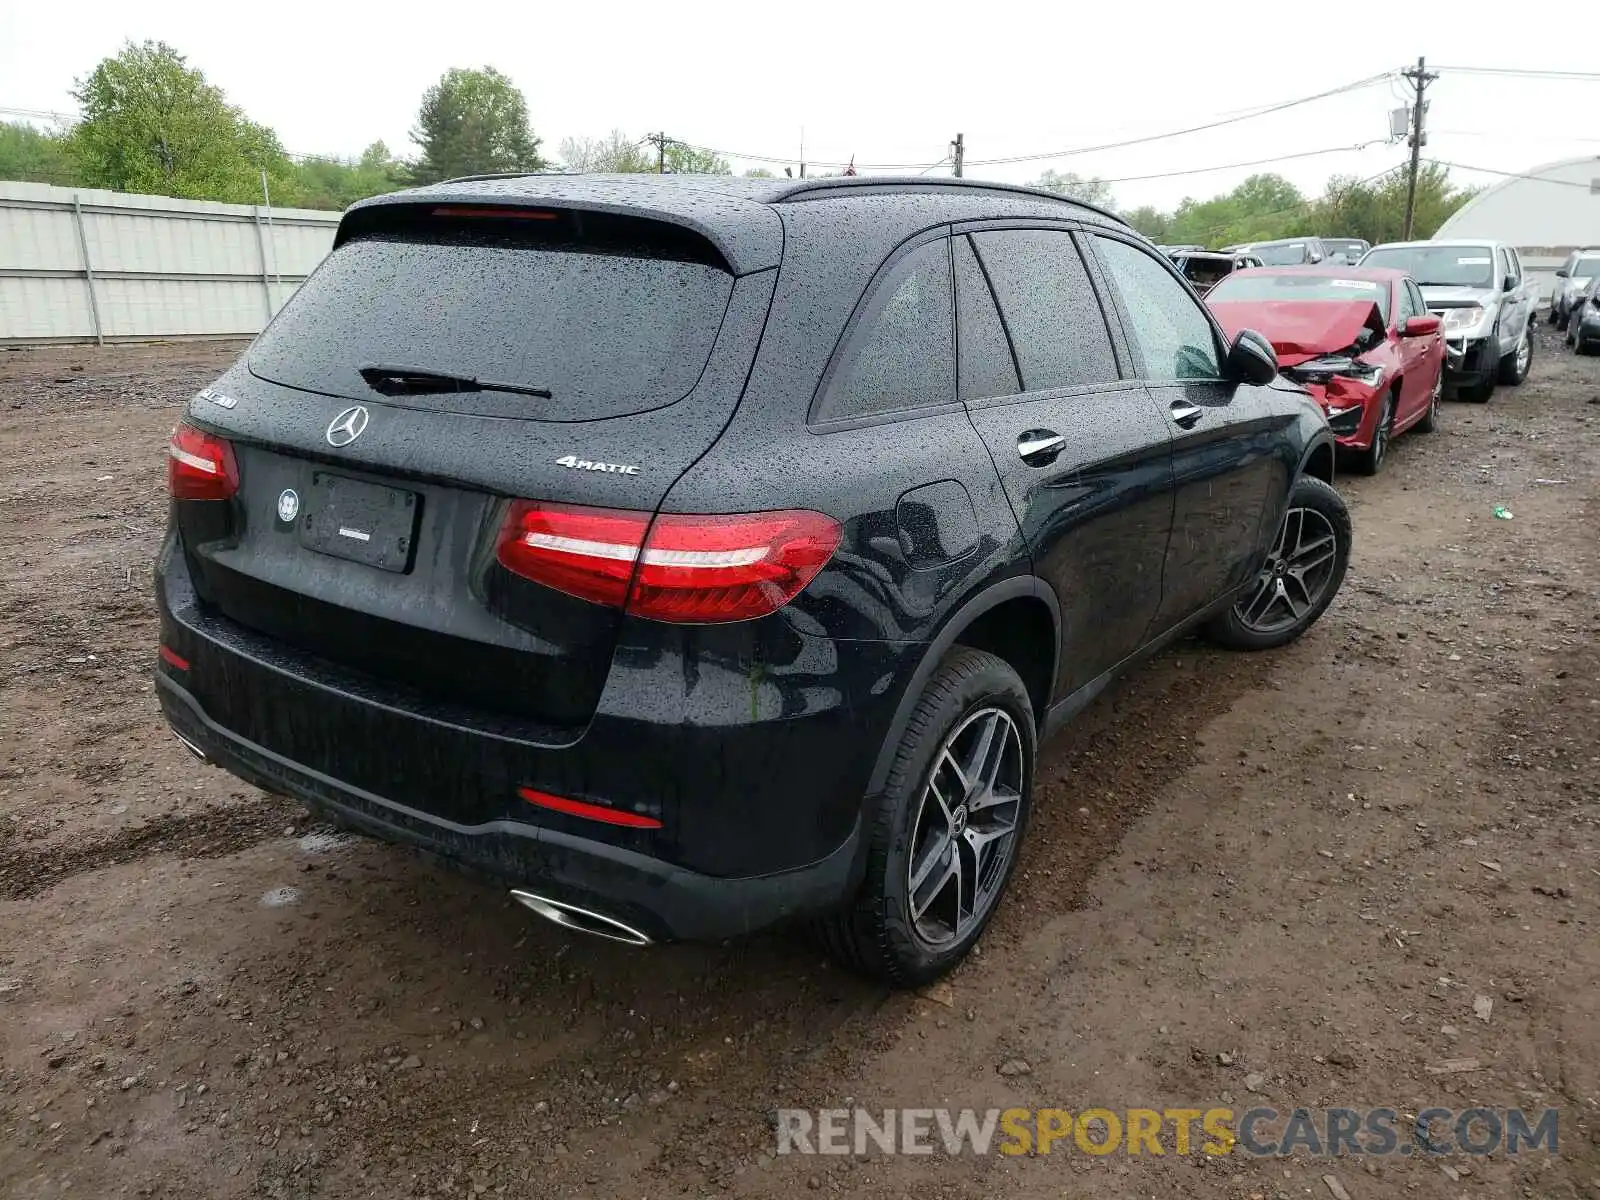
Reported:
(1523, 73)
(1258, 162)
(1215, 124)
(38, 114)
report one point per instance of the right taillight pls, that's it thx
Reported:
(200, 466)
(682, 567)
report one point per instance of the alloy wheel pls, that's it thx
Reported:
(1524, 354)
(1296, 575)
(964, 832)
(1380, 435)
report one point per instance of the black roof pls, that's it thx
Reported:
(735, 214)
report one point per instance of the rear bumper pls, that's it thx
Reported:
(752, 750)
(664, 901)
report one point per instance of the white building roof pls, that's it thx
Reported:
(1554, 207)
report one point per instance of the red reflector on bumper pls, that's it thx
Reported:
(594, 812)
(173, 659)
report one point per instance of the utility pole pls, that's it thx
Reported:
(659, 140)
(958, 152)
(1420, 78)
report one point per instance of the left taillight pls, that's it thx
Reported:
(680, 567)
(200, 466)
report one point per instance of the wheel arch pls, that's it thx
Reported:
(1318, 461)
(1006, 619)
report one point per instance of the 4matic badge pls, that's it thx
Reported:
(583, 464)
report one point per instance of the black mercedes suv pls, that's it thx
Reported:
(696, 554)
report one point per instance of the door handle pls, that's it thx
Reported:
(1039, 447)
(1186, 414)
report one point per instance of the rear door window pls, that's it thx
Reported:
(984, 365)
(610, 326)
(901, 348)
(1049, 306)
(1170, 329)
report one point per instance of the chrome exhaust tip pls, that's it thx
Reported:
(570, 916)
(192, 748)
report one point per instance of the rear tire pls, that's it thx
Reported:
(907, 933)
(1300, 578)
(1430, 419)
(1514, 367)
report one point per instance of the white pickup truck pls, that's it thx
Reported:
(1485, 300)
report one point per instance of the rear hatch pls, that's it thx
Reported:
(442, 362)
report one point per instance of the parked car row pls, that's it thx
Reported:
(696, 554)
(1304, 251)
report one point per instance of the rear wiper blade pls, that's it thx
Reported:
(390, 379)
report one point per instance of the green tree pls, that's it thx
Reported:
(321, 182)
(1376, 209)
(759, 173)
(1150, 221)
(1066, 183)
(689, 160)
(151, 123)
(616, 153)
(1261, 208)
(473, 123)
(35, 156)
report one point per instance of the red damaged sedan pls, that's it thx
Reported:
(1360, 340)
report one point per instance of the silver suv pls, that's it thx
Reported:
(1572, 278)
(1486, 301)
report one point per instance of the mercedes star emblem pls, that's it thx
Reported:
(348, 426)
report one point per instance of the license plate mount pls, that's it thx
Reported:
(362, 522)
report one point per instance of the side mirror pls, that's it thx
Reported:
(1561, 272)
(1420, 326)
(1510, 284)
(1252, 359)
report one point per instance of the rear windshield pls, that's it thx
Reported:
(1290, 254)
(1438, 266)
(1203, 272)
(1300, 286)
(607, 329)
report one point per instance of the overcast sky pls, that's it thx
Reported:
(888, 84)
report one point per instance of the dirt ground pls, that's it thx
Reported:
(1284, 878)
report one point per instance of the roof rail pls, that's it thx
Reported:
(809, 187)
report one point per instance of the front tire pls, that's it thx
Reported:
(943, 841)
(1300, 578)
(1514, 367)
(1370, 460)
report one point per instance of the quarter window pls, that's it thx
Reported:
(1173, 335)
(901, 353)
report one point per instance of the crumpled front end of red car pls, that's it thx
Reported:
(1350, 393)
